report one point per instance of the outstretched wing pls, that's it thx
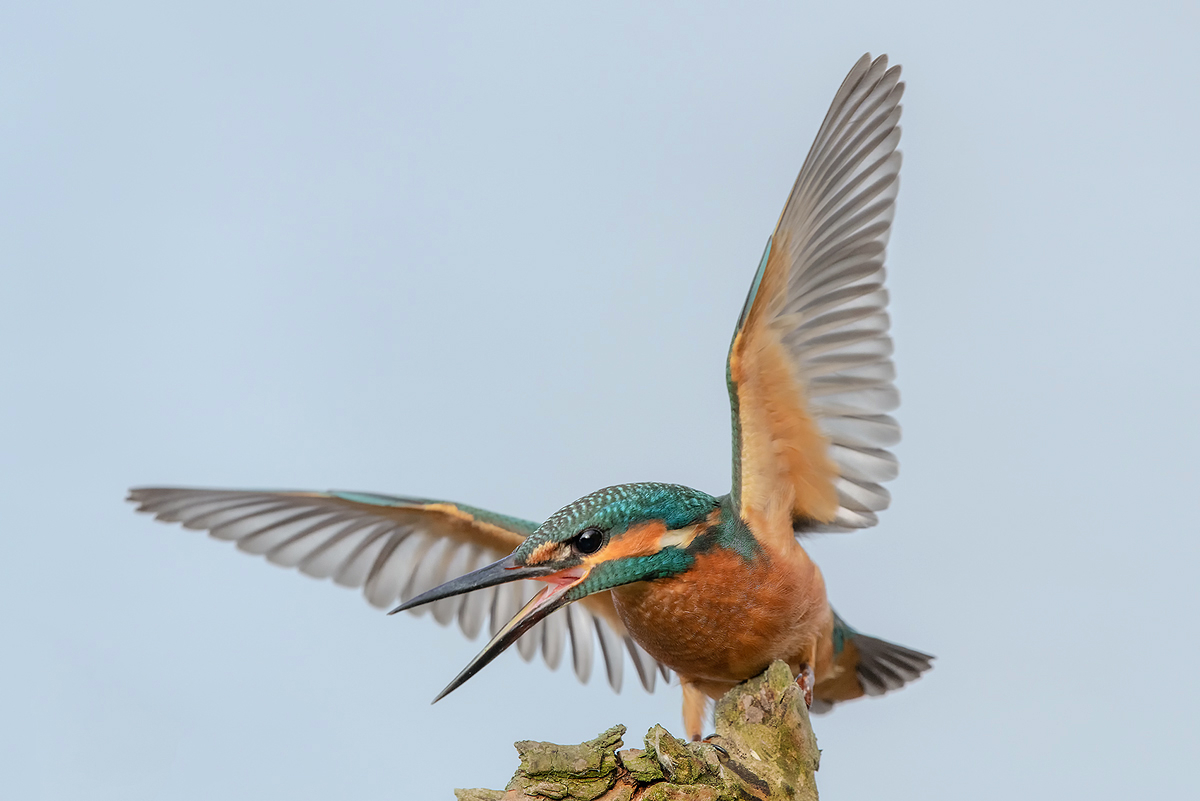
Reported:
(396, 548)
(809, 372)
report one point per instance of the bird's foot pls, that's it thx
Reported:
(807, 680)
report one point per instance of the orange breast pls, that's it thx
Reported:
(725, 620)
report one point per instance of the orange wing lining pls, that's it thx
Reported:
(783, 451)
(484, 533)
(457, 524)
(844, 685)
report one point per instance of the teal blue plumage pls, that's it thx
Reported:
(734, 404)
(615, 508)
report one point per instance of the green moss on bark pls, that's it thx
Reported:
(764, 748)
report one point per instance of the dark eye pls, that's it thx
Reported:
(589, 540)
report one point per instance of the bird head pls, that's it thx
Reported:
(614, 536)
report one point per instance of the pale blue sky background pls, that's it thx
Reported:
(494, 254)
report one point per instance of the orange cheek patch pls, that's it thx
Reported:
(645, 540)
(640, 540)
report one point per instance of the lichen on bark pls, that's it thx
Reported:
(764, 748)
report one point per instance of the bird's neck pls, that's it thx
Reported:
(727, 531)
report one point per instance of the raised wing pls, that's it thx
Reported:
(396, 548)
(810, 374)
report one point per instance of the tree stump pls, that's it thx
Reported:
(764, 748)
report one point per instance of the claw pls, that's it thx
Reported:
(720, 749)
(807, 680)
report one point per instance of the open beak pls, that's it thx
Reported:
(501, 572)
(549, 600)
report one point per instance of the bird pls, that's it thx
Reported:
(707, 589)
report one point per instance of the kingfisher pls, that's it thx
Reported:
(709, 589)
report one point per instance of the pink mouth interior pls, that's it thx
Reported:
(560, 582)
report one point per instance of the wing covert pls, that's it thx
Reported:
(395, 548)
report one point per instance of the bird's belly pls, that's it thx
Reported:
(724, 620)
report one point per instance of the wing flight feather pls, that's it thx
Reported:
(393, 548)
(810, 372)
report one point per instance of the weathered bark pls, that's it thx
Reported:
(764, 748)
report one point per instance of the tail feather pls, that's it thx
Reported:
(868, 666)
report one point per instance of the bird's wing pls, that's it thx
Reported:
(810, 372)
(396, 548)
